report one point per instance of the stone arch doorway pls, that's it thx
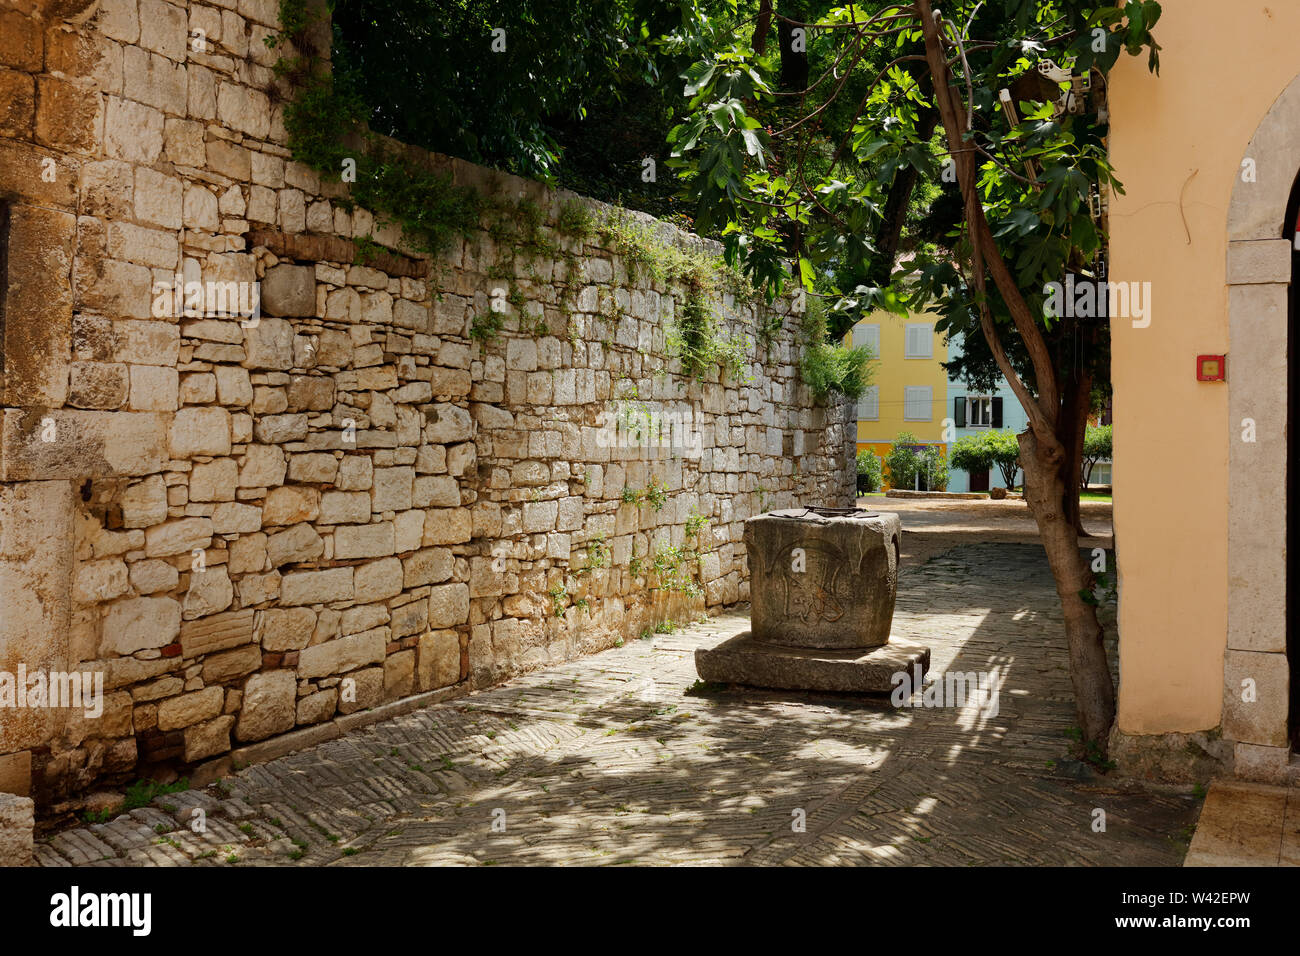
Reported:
(1263, 466)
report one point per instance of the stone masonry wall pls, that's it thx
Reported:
(253, 526)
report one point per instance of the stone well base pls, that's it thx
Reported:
(744, 660)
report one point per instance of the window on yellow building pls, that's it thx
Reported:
(868, 334)
(869, 404)
(919, 342)
(917, 400)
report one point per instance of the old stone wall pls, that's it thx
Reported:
(253, 524)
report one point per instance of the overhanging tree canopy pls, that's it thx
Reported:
(998, 106)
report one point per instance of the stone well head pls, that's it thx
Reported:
(823, 577)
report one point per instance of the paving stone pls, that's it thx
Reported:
(621, 756)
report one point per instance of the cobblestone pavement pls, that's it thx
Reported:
(615, 758)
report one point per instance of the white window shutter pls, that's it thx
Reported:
(916, 403)
(868, 334)
(869, 404)
(917, 343)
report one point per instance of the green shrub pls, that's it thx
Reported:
(870, 472)
(908, 458)
(828, 366)
(1097, 442)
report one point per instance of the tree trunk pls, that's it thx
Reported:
(1073, 425)
(1046, 489)
(1043, 446)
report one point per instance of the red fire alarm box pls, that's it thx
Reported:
(1211, 368)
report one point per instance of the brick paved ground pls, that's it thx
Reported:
(614, 759)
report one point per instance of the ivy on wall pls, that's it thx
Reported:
(326, 121)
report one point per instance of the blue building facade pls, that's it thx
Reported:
(976, 411)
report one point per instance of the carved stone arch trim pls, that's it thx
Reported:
(1258, 278)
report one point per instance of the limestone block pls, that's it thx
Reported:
(318, 707)
(363, 541)
(391, 490)
(158, 199)
(289, 290)
(132, 131)
(290, 504)
(314, 392)
(144, 503)
(200, 209)
(299, 543)
(428, 566)
(274, 429)
(152, 576)
(137, 624)
(188, 709)
(244, 109)
(318, 467)
(181, 536)
(228, 665)
(214, 480)
(233, 386)
(378, 580)
(263, 467)
(37, 331)
(102, 580)
(408, 530)
(447, 423)
(17, 826)
(448, 526)
(285, 629)
(361, 689)
(17, 105)
(399, 674)
(269, 705)
(822, 579)
(269, 345)
(342, 507)
(440, 491)
(343, 654)
(220, 632)
(146, 343)
(439, 660)
(198, 388)
(257, 589)
(97, 385)
(229, 517)
(200, 431)
(448, 605)
(539, 516)
(317, 587)
(210, 592)
(1255, 697)
(208, 739)
(153, 389)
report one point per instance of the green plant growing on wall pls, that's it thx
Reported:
(575, 220)
(672, 565)
(831, 367)
(657, 494)
(486, 326)
(559, 599)
(695, 524)
(597, 553)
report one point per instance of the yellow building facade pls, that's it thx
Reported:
(908, 389)
(1209, 154)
